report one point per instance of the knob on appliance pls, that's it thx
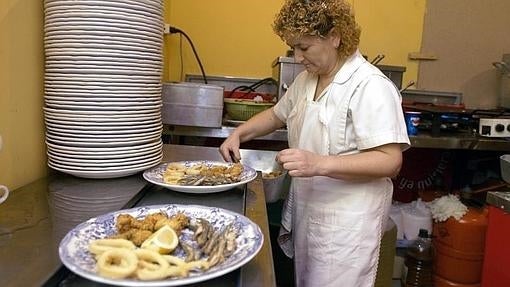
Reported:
(499, 128)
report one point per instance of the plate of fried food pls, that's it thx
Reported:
(160, 245)
(200, 176)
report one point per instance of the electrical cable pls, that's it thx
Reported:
(174, 30)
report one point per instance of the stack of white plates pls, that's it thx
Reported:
(102, 88)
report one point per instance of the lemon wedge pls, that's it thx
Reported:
(163, 241)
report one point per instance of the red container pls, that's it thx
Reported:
(441, 282)
(496, 267)
(459, 246)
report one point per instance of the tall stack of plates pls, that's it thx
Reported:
(103, 86)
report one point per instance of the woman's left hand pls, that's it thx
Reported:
(298, 162)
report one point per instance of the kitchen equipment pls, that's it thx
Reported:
(412, 96)
(494, 127)
(503, 67)
(504, 165)
(438, 118)
(192, 104)
(394, 73)
(285, 70)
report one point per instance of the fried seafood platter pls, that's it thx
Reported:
(163, 245)
(200, 176)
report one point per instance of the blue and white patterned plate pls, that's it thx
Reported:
(155, 175)
(73, 249)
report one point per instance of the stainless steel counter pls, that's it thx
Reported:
(37, 216)
(459, 140)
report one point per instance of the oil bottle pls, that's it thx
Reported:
(418, 262)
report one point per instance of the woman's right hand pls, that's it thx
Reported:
(229, 149)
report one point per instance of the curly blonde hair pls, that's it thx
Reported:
(316, 18)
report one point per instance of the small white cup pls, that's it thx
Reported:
(4, 193)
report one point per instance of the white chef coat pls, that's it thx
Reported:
(333, 227)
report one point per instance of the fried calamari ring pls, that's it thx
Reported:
(153, 265)
(99, 246)
(117, 263)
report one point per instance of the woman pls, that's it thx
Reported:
(346, 134)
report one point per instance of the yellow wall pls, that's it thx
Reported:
(23, 157)
(234, 37)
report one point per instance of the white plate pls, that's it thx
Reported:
(73, 248)
(152, 49)
(95, 104)
(72, 106)
(65, 34)
(85, 92)
(70, 28)
(144, 99)
(124, 53)
(103, 155)
(56, 53)
(103, 71)
(155, 175)
(104, 13)
(105, 65)
(83, 15)
(51, 21)
(135, 6)
(100, 123)
(82, 91)
(95, 164)
(122, 62)
(106, 150)
(103, 168)
(101, 173)
(101, 143)
(146, 39)
(102, 85)
(106, 132)
(100, 77)
(102, 65)
(102, 138)
(119, 114)
(57, 19)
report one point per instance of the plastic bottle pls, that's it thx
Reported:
(418, 262)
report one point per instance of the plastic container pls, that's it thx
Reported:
(242, 110)
(418, 262)
(459, 246)
(416, 216)
(441, 282)
(496, 264)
